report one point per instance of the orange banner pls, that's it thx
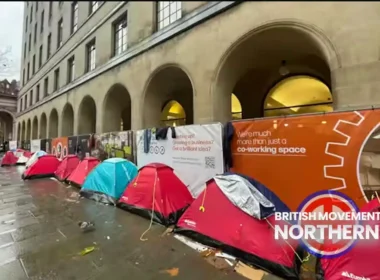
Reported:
(297, 156)
(59, 147)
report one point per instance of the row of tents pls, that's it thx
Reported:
(234, 213)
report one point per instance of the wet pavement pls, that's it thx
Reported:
(40, 238)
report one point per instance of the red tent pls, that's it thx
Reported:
(212, 219)
(67, 166)
(79, 174)
(156, 183)
(44, 166)
(358, 263)
(9, 159)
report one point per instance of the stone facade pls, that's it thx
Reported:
(216, 48)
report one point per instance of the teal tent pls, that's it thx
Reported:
(108, 180)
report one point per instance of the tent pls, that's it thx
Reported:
(67, 166)
(358, 263)
(45, 166)
(80, 173)
(234, 216)
(34, 158)
(108, 180)
(157, 189)
(22, 156)
(9, 159)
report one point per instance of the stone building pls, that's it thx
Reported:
(8, 108)
(106, 66)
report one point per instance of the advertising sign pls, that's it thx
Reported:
(26, 145)
(59, 147)
(35, 145)
(114, 144)
(46, 145)
(12, 145)
(300, 155)
(195, 154)
(82, 140)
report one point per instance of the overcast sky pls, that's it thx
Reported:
(11, 20)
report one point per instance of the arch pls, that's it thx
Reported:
(28, 130)
(35, 128)
(169, 82)
(6, 124)
(262, 57)
(173, 114)
(67, 120)
(23, 131)
(117, 109)
(298, 94)
(87, 116)
(43, 126)
(18, 131)
(53, 123)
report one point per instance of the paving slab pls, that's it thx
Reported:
(40, 238)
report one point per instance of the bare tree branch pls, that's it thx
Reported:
(7, 66)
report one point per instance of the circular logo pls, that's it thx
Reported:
(151, 150)
(162, 150)
(156, 150)
(327, 244)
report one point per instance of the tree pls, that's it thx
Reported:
(7, 67)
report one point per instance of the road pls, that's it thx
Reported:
(40, 238)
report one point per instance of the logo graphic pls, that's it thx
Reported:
(352, 276)
(328, 203)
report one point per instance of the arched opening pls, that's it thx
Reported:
(236, 110)
(173, 114)
(28, 130)
(43, 126)
(168, 85)
(53, 124)
(298, 95)
(19, 132)
(277, 58)
(117, 109)
(23, 131)
(67, 120)
(35, 128)
(6, 126)
(87, 116)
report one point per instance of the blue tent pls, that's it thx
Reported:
(108, 180)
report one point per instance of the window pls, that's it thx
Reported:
(71, 69)
(31, 14)
(91, 56)
(42, 21)
(23, 76)
(50, 10)
(26, 24)
(46, 86)
(40, 57)
(27, 70)
(59, 33)
(34, 64)
(94, 5)
(21, 105)
(30, 42)
(38, 93)
(26, 101)
(35, 33)
(48, 51)
(168, 12)
(120, 38)
(36, 6)
(31, 98)
(74, 17)
(25, 50)
(56, 79)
